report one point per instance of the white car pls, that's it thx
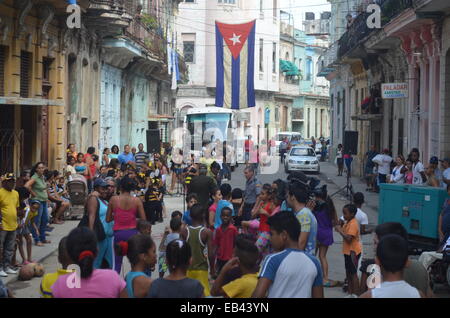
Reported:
(301, 158)
(287, 134)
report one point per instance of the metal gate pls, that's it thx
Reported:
(8, 139)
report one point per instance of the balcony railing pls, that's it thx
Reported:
(392, 8)
(357, 31)
(142, 34)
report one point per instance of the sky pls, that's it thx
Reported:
(299, 7)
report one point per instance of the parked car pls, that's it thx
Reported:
(301, 158)
(286, 134)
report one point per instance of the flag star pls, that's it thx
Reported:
(235, 39)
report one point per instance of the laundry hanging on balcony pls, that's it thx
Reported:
(289, 68)
(235, 65)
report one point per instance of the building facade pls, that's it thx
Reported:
(196, 38)
(105, 83)
(411, 48)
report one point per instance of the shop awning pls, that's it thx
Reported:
(289, 68)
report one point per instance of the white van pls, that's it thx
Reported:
(286, 134)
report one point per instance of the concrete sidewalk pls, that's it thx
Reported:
(40, 253)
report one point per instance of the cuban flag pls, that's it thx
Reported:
(235, 62)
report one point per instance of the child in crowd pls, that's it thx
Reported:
(177, 284)
(95, 283)
(170, 235)
(141, 252)
(408, 171)
(361, 217)
(224, 238)
(198, 237)
(61, 189)
(144, 227)
(246, 258)
(216, 197)
(49, 279)
(392, 257)
(237, 198)
(191, 199)
(351, 247)
(225, 190)
(25, 225)
(265, 211)
(152, 204)
(176, 214)
(289, 273)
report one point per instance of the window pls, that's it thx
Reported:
(189, 51)
(308, 69)
(46, 84)
(228, 1)
(192, 1)
(275, 8)
(261, 8)
(287, 56)
(25, 73)
(277, 114)
(261, 55)
(274, 58)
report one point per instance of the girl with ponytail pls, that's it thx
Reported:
(88, 282)
(177, 285)
(141, 252)
(326, 217)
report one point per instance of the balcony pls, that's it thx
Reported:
(355, 34)
(142, 34)
(107, 17)
(390, 9)
(326, 62)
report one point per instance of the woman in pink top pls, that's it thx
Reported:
(94, 283)
(124, 209)
(408, 172)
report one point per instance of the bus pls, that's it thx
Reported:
(206, 125)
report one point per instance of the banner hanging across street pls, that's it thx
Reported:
(235, 60)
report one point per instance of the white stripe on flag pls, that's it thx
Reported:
(227, 76)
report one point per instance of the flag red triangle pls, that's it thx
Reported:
(235, 35)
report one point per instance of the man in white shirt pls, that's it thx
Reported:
(384, 165)
(446, 172)
(419, 176)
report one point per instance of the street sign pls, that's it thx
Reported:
(394, 90)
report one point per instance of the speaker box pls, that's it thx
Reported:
(153, 141)
(351, 142)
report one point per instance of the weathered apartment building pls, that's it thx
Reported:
(412, 48)
(105, 83)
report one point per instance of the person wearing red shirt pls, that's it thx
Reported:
(248, 147)
(89, 162)
(224, 238)
(265, 210)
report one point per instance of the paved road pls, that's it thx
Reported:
(335, 258)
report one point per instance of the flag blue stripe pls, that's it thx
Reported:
(251, 69)
(219, 69)
(236, 84)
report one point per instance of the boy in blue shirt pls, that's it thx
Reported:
(191, 199)
(225, 189)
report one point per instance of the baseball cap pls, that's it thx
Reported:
(434, 160)
(100, 183)
(31, 202)
(9, 176)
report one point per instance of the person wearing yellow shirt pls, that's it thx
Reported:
(49, 279)
(245, 261)
(9, 205)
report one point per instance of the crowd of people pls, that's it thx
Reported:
(267, 240)
(383, 168)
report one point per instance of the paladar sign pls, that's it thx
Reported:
(394, 90)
